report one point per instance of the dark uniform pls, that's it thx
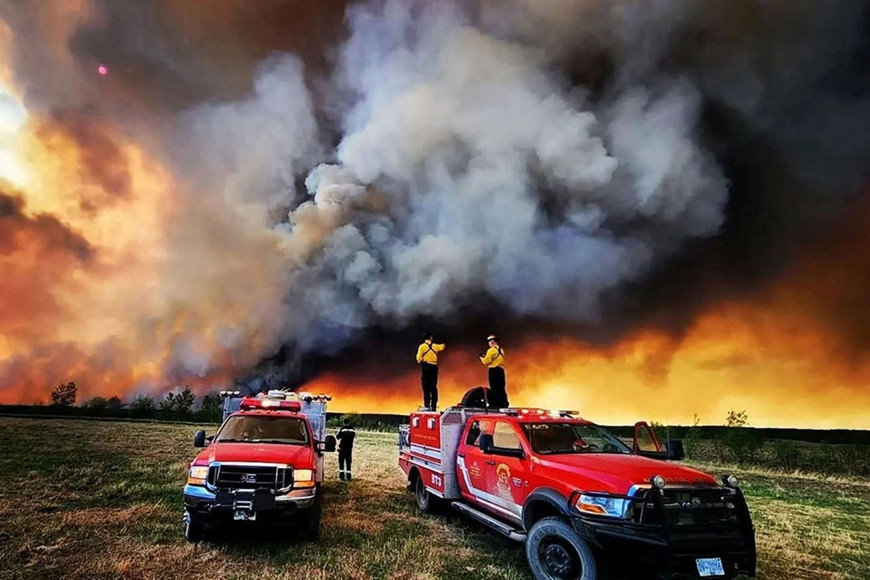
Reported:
(494, 361)
(345, 438)
(427, 357)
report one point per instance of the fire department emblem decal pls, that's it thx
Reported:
(474, 469)
(504, 478)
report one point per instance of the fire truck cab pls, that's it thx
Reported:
(263, 466)
(576, 494)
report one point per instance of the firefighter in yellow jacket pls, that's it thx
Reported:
(494, 361)
(427, 358)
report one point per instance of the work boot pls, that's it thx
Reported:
(341, 475)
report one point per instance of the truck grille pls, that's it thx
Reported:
(271, 477)
(707, 508)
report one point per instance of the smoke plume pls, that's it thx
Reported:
(259, 192)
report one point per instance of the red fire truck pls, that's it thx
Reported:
(576, 494)
(264, 465)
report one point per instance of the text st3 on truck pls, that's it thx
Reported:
(264, 466)
(583, 501)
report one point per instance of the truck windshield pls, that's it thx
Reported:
(553, 438)
(258, 429)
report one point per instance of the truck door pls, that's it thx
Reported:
(645, 440)
(471, 460)
(506, 472)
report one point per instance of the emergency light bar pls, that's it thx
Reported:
(515, 411)
(252, 403)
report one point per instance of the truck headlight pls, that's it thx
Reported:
(197, 474)
(303, 478)
(602, 505)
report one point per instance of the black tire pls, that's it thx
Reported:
(427, 502)
(555, 551)
(311, 520)
(194, 531)
(475, 398)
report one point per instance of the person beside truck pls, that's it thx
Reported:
(345, 437)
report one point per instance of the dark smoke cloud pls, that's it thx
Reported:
(38, 256)
(43, 230)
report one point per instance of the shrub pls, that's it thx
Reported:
(142, 407)
(97, 404)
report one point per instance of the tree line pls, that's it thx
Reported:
(179, 405)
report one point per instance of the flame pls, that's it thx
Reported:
(776, 366)
(90, 289)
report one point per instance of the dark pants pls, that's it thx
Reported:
(344, 460)
(497, 395)
(429, 379)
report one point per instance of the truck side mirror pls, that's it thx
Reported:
(199, 438)
(329, 444)
(485, 440)
(675, 450)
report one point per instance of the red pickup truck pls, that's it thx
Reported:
(577, 495)
(264, 465)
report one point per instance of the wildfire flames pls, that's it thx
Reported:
(165, 224)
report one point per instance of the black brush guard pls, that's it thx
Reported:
(667, 530)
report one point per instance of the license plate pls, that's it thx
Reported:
(710, 567)
(244, 516)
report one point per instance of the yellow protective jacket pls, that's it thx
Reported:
(494, 357)
(428, 353)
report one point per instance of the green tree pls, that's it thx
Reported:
(142, 406)
(739, 439)
(97, 403)
(64, 395)
(114, 403)
(211, 408)
(179, 403)
(736, 419)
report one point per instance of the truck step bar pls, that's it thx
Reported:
(486, 519)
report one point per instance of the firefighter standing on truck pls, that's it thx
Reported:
(427, 358)
(345, 438)
(494, 360)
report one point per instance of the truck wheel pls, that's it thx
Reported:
(554, 550)
(193, 531)
(475, 398)
(311, 521)
(425, 500)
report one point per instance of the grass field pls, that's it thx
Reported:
(103, 499)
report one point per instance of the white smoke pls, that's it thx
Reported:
(468, 166)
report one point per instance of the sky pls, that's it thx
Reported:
(662, 210)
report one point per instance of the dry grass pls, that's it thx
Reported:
(87, 498)
(808, 526)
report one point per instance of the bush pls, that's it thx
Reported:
(142, 407)
(97, 404)
(211, 409)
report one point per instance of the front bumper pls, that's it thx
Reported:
(209, 506)
(672, 550)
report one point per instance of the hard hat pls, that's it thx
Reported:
(491, 337)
